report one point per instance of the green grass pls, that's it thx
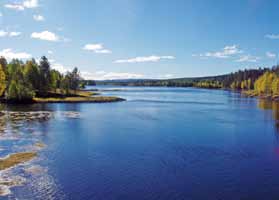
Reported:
(97, 99)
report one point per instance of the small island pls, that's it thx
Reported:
(32, 82)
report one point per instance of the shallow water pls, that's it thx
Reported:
(162, 143)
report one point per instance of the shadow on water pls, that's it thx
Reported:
(274, 107)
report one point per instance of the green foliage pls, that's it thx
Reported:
(32, 75)
(45, 76)
(2, 80)
(23, 81)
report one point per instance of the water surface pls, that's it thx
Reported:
(162, 143)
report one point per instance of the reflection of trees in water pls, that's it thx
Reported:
(271, 105)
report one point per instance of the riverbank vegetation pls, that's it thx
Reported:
(30, 81)
(21, 81)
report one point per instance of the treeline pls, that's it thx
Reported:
(22, 81)
(242, 79)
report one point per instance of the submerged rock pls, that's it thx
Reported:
(30, 116)
(35, 169)
(40, 145)
(9, 181)
(4, 190)
(71, 114)
(15, 159)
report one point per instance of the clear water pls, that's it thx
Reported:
(162, 143)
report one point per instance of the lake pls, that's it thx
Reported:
(162, 143)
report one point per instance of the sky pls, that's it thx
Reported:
(120, 39)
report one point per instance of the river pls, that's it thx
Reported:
(162, 143)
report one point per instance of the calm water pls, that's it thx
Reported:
(163, 143)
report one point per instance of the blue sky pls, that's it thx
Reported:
(109, 39)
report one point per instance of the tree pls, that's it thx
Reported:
(66, 84)
(275, 86)
(45, 77)
(2, 80)
(32, 75)
(3, 63)
(56, 79)
(74, 79)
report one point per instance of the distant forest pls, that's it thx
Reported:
(242, 79)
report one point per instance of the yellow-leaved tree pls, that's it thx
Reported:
(2, 81)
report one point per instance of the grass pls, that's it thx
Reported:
(15, 159)
(97, 99)
(79, 96)
(72, 93)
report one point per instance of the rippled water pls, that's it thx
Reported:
(162, 143)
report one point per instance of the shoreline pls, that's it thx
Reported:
(252, 94)
(81, 96)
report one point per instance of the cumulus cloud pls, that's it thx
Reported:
(45, 35)
(9, 34)
(59, 67)
(248, 58)
(1, 15)
(97, 48)
(102, 75)
(145, 59)
(3, 33)
(270, 55)
(38, 18)
(30, 3)
(23, 5)
(226, 52)
(50, 52)
(14, 34)
(272, 36)
(10, 54)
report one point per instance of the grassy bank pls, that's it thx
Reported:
(79, 96)
(96, 99)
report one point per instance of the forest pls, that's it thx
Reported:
(240, 80)
(22, 81)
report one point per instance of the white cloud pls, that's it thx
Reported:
(59, 67)
(50, 52)
(167, 76)
(22, 6)
(31, 3)
(38, 18)
(145, 59)
(3, 33)
(9, 34)
(10, 54)
(45, 35)
(248, 58)
(14, 34)
(272, 36)
(226, 52)
(1, 15)
(102, 75)
(97, 48)
(18, 7)
(270, 55)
